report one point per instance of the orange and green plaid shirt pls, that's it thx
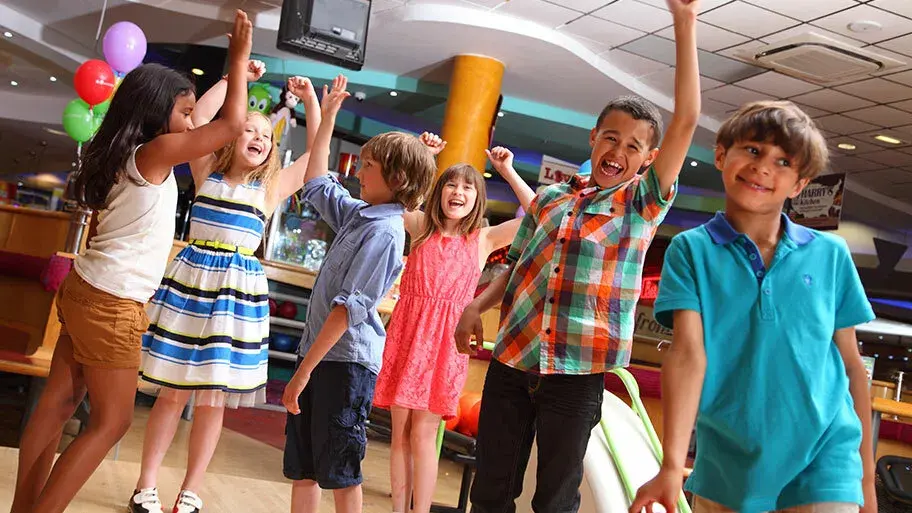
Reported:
(578, 261)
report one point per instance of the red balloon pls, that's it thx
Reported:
(94, 81)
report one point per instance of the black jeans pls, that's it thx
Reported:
(516, 405)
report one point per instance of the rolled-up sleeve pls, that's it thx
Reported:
(372, 272)
(332, 201)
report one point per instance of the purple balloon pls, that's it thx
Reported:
(124, 46)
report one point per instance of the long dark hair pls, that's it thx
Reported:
(140, 110)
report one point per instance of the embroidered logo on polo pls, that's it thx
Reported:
(808, 280)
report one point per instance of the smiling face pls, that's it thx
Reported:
(253, 146)
(621, 146)
(458, 198)
(758, 176)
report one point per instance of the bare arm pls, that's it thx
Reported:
(682, 381)
(847, 343)
(333, 329)
(318, 163)
(470, 321)
(503, 234)
(155, 159)
(291, 178)
(680, 131)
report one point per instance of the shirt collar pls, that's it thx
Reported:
(382, 210)
(722, 232)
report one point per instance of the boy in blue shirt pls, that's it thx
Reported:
(764, 357)
(329, 397)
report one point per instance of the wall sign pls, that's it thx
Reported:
(820, 203)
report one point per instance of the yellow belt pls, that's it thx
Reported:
(221, 245)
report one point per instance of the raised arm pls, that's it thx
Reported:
(318, 163)
(414, 219)
(292, 177)
(680, 131)
(502, 234)
(155, 159)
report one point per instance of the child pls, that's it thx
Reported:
(329, 396)
(764, 354)
(210, 318)
(422, 373)
(126, 176)
(567, 315)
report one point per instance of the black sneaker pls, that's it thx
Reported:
(188, 502)
(145, 501)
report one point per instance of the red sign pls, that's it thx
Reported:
(649, 290)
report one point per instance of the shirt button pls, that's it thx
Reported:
(767, 291)
(556, 270)
(759, 274)
(563, 240)
(569, 213)
(548, 331)
(551, 300)
(611, 210)
(753, 256)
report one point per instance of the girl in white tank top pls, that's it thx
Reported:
(126, 177)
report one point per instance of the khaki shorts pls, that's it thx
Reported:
(702, 505)
(106, 330)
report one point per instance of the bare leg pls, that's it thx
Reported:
(349, 500)
(62, 394)
(204, 437)
(401, 460)
(424, 426)
(160, 429)
(112, 392)
(305, 496)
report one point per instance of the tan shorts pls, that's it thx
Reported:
(702, 505)
(106, 330)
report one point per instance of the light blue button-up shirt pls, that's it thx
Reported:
(359, 269)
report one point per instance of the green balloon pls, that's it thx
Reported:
(78, 121)
(102, 108)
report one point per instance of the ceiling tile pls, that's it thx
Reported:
(906, 105)
(904, 77)
(631, 13)
(747, 19)
(861, 147)
(884, 177)
(901, 45)
(725, 69)
(832, 101)
(709, 37)
(892, 158)
(878, 89)
(813, 112)
(705, 5)
(843, 125)
(881, 115)
(853, 164)
(778, 85)
(539, 11)
(578, 5)
(892, 25)
(746, 47)
(734, 95)
(804, 28)
(904, 130)
(720, 110)
(905, 139)
(664, 81)
(601, 31)
(901, 7)
(634, 64)
(804, 10)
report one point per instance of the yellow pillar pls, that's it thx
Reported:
(470, 109)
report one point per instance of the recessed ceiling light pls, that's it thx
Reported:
(8, 34)
(54, 131)
(864, 26)
(846, 146)
(693, 163)
(14, 83)
(197, 71)
(887, 139)
(487, 175)
(394, 93)
(53, 79)
(500, 114)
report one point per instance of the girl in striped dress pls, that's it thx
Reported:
(209, 328)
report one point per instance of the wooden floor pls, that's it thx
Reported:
(249, 473)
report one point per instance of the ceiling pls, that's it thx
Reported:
(569, 56)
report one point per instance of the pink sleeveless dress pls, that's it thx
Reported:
(421, 368)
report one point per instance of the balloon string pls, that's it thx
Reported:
(78, 150)
(100, 23)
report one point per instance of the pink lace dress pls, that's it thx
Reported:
(421, 368)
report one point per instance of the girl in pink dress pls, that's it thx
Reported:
(422, 373)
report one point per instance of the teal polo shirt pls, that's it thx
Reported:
(776, 425)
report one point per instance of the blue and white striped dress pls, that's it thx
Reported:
(210, 316)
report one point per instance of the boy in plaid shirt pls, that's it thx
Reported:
(568, 308)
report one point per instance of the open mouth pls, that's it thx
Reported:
(456, 203)
(255, 149)
(611, 168)
(753, 185)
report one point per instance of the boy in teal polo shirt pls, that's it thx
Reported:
(764, 357)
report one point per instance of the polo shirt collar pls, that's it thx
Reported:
(722, 232)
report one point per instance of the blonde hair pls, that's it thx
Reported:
(434, 216)
(406, 164)
(781, 123)
(266, 172)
